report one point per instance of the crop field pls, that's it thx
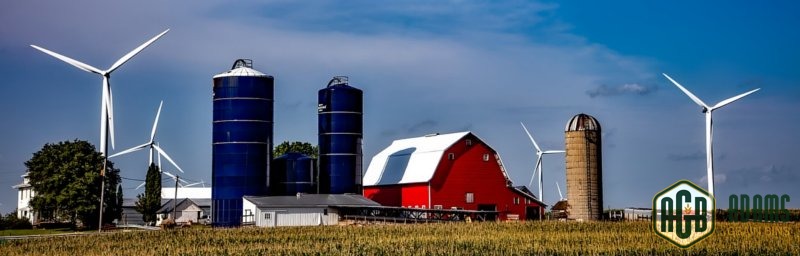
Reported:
(544, 238)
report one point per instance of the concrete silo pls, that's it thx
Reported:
(584, 168)
(242, 140)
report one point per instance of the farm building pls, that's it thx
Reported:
(186, 209)
(300, 210)
(447, 171)
(199, 196)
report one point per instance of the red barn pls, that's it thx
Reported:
(456, 170)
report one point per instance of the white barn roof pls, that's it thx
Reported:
(412, 160)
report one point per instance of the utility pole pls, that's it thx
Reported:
(175, 200)
(102, 187)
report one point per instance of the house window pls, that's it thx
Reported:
(267, 216)
(470, 198)
(485, 157)
(451, 156)
(438, 207)
(469, 142)
(247, 212)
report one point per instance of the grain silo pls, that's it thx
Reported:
(242, 139)
(293, 173)
(584, 168)
(340, 132)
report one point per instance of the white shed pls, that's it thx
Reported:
(300, 210)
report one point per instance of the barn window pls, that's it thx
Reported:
(451, 156)
(485, 157)
(267, 216)
(325, 212)
(469, 142)
(516, 200)
(470, 198)
(437, 206)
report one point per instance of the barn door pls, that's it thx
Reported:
(268, 219)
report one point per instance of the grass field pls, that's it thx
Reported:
(545, 238)
(27, 232)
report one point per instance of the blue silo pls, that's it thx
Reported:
(242, 140)
(340, 131)
(293, 173)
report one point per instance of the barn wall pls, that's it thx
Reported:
(404, 195)
(469, 173)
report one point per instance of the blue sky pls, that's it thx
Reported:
(427, 67)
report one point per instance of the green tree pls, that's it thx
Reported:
(66, 178)
(150, 201)
(113, 209)
(296, 146)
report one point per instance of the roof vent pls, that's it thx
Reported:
(337, 80)
(432, 134)
(242, 63)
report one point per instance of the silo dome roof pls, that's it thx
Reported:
(582, 122)
(242, 67)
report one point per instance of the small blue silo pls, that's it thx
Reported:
(340, 116)
(293, 173)
(242, 140)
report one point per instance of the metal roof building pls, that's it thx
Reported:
(300, 210)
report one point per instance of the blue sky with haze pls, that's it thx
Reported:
(427, 67)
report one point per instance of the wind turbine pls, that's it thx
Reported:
(152, 145)
(539, 153)
(709, 131)
(559, 192)
(106, 102)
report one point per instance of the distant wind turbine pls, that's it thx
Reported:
(709, 131)
(559, 192)
(106, 102)
(539, 153)
(152, 145)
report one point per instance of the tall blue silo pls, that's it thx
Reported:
(293, 173)
(242, 140)
(340, 116)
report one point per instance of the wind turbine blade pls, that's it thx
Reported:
(732, 99)
(110, 106)
(155, 123)
(531, 137)
(561, 196)
(553, 151)
(170, 175)
(161, 152)
(159, 161)
(133, 149)
(533, 176)
(687, 92)
(192, 184)
(77, 64)
(134, 52)
(140, 185)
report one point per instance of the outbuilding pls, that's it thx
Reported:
(447, 171)
(299, 210)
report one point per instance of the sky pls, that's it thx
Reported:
(426, 67)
